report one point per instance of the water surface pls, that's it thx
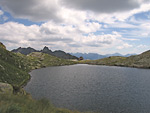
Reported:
(93, 88)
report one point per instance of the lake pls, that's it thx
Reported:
(93, 88)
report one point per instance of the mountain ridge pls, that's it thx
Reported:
(95, 56)
(14, 67)
(57, 53)
(138, 61)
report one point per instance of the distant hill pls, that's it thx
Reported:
(139, 61)
(24, 51)
(95, 56)
(58, 53)
(90, 56)
(118, 54)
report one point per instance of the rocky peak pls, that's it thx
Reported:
(45, 48)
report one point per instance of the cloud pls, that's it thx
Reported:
(75, 26)
(75, 10)
(124, 46)
(103, 6)
(35, 10)
(130, 39)
(142, 46)
(67, 38)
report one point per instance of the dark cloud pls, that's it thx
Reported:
(44, 10)
(103, 6)
(35, 10)
(8, 41)
(47, 31)
(75, 45)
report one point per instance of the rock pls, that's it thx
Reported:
(6, 88)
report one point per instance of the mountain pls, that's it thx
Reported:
(24, 51)
(118, 54)
(14, 67)
(46, 50)
(138, 61)
(95, 56)
(90, 56)
(62, 54)
(114, 54)
(58, 53)
(128, 55)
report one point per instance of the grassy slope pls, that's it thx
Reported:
(48, 60)
(14, 67)
(24, 104)
(139, 61)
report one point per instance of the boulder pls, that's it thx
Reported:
(6, 88)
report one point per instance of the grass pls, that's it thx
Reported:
(48, 60)
(14, 67)
(137, 61)
(111, 61)
(25, 104)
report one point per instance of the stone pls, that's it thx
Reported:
(6, 88)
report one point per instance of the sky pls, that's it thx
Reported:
(85, 26)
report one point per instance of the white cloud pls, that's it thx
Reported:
(130, 39)
(73, 28)
(56, 36)
(142, 46)
(124, 46)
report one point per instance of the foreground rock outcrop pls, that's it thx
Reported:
(6, 88)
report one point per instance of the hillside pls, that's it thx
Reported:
(58, 53)
(14, 67)
(49, 60)
(95, 56)
(138, 61)
(25, 104)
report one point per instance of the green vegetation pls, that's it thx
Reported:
(48, 60)
(2, 46)
(25, 104)
(138, 61)
(14, 67)
(110, 61)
